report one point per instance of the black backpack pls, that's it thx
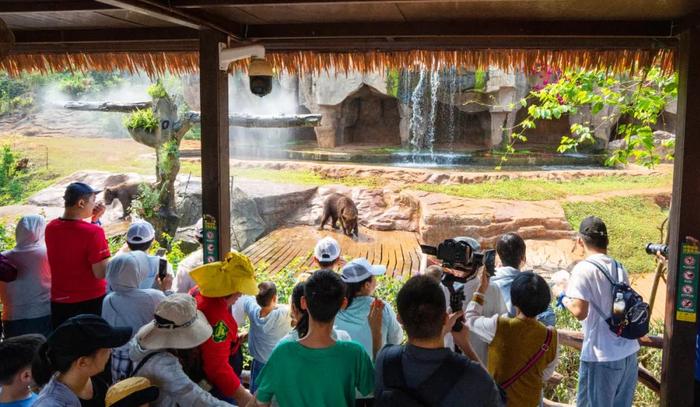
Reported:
(633, 323)
(429, 393)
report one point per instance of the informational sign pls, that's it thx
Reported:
(687, 296)
(210, 239)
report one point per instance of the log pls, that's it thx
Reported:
(108, 106)
(281, 121)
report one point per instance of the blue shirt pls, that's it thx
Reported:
(265, 332)
(353, 320)
(29, 401)
(504, 279)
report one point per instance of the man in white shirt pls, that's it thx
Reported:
(608, 370)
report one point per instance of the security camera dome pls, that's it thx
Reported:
(260, 74)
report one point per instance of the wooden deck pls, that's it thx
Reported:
(399, 251)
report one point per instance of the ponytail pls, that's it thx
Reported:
(42, 368)
(352, 289)
(47, 362)
(302, 326)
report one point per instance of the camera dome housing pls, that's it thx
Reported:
(260, 77)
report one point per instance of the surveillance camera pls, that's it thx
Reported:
(260, 76)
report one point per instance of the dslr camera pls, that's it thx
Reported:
(462, 257)
(653, 248)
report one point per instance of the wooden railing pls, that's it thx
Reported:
(574, 340)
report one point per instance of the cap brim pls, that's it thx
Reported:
(378, 270)
(120, 336)
(137, 398)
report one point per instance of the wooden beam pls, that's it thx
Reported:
(479, 28)
(460, 43)
(42, 6)
(216, 194)
(163, 11)
(678, 363)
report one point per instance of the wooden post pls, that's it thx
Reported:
(677, 375)
(216, 195)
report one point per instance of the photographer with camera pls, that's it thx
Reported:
(461, 258)
(523, 353)
(424, 372)
(608, 370)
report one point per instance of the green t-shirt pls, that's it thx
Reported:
(299, 376)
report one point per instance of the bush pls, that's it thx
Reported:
(142, 119)
(147, 204)
(157, 91)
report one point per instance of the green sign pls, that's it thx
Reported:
(687, 295)
(210, 239)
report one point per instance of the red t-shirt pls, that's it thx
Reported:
(73, 246)
(222, 344)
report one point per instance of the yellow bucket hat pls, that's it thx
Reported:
(222, 278)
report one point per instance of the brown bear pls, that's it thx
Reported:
(125, 192)
(340, 207)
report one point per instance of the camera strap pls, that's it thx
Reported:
(532, 361)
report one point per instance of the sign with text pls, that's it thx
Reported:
(210, 239)
(687, 295)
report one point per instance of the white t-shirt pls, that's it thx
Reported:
(588, 283)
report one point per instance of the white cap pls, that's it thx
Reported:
(327, 250)
(360, 269)
(140, 232)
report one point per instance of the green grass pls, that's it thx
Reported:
(632, 223)
(302, 177)
(538, 190)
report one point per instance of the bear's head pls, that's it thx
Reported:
(109, 195)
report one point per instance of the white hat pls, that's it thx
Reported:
(360, 269)
(178, 324)
(327, 250)
(140, 232)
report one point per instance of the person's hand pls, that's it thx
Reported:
(376, 311)
(98, 211)
(243, 336)
(483, 280)
(451, 319)
(692, 240)
(166, 283)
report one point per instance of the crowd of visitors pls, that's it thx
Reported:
(83, 328)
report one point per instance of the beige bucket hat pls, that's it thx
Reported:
(177, 325)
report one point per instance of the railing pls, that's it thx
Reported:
(574, 340)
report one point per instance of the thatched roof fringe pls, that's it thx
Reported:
(305, 62)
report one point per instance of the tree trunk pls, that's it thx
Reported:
(108, 106)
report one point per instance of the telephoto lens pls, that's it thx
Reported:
(653, 248)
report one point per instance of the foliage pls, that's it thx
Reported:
(169, 154)
(539, 189)
(142, 119)
(13, 181)
(146, 205)
(79, 84)
(480, 78)
(7, 237)
(157, 90)
(641, 98)
(116, 243)
(632, 223)
(194, 133)
(392, 82)
(174, 253)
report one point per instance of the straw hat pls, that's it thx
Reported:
(177, 325)
(222, 278)
(133, 391)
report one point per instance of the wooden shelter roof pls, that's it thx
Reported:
(312, 35)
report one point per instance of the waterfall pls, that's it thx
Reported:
(417, 124)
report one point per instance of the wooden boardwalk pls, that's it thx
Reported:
(399, 251)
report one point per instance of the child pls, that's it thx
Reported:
(16, 355)
(515, 343)
(268, 324)
(221, 284)
(317, 370)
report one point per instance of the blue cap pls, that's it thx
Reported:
(77, 190)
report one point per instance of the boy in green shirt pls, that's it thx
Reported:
(316, 370)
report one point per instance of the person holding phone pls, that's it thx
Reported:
(139, 239)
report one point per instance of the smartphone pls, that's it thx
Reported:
(490, 261)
